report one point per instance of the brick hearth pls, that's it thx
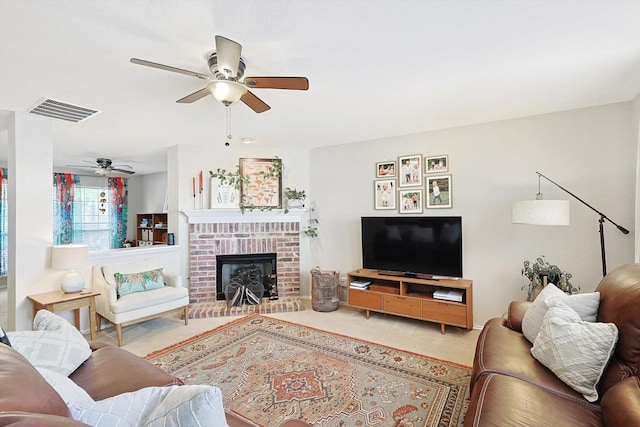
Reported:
(209, 239)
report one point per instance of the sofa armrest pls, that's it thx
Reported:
(516, 312)
(108, 293)
(621, 403)
(171, 279)
(112, 370)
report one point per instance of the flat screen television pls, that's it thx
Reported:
(413, 246)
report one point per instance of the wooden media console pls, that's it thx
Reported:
(413, 297)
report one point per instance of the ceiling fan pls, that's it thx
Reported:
(225, 84)
(104, 167)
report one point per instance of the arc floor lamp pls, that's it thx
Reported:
(556, 212)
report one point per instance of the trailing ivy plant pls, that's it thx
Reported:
(311, 230)
(231, 178)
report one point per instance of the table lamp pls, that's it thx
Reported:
(71, 258)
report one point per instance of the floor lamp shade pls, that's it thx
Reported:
(540, 212)
(71, 258)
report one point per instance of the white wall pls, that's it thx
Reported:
(152, 193)
(591, 152)
(30, 226)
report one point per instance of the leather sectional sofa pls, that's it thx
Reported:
(27, 399)
(509, 387)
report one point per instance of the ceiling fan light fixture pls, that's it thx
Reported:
(102, 171)
(226, 92)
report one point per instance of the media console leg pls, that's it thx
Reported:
(366, 315)
(442, 328)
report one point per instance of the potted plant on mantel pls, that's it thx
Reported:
(295, 198)
(540, 273)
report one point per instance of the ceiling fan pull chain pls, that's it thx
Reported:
(229, 137)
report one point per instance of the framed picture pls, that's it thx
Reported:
(263, 186)
(439, 191)
(386, 169)
(410, 170)
(385, 194)
(223, 196)
(411, 201)
(436, 164)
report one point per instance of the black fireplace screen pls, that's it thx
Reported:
(246, 279)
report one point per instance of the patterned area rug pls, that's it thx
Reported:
(271, 370)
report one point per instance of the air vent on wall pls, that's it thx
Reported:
(61, 110)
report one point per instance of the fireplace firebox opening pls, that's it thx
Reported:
(246, 277)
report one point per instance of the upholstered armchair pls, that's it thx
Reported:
(136, 291)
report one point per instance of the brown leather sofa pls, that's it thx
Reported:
(27, 400)
(509, 387)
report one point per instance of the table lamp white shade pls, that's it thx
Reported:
(70, 257)
(540, 212)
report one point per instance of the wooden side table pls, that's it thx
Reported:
(56, 301)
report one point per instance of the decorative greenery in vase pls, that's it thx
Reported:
(294, 198)
(539, 270)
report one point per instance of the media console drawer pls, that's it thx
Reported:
(365, 299)
(444, 311)
(401, 305)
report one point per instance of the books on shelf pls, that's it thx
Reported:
(360, 284)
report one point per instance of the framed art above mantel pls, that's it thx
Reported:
(263, 187)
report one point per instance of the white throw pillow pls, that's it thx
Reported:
(67, 389)
(586, 305)
(575, 351)
(185, 406)
(55, 344)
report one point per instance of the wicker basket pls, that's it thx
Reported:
(324, 290)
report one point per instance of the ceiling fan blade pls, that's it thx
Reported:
(194, 96)
(255, 103)
(169, 68)
(295, 83)
(228, 53)
(123, 171)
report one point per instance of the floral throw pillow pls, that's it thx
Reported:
(138, 282)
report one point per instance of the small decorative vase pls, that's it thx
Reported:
(295, 203)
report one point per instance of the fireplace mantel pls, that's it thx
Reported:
(217, 216)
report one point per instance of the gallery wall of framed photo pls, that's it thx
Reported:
(412, 183)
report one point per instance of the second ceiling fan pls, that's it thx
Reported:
(225, 84)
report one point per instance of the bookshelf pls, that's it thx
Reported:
(151, 229)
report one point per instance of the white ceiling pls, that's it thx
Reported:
(377, 68)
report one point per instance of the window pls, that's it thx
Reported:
(90, 211)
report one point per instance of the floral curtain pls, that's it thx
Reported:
(4, 222)
(64, 184)
(118, 187)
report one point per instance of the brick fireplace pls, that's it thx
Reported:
(212, 234)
